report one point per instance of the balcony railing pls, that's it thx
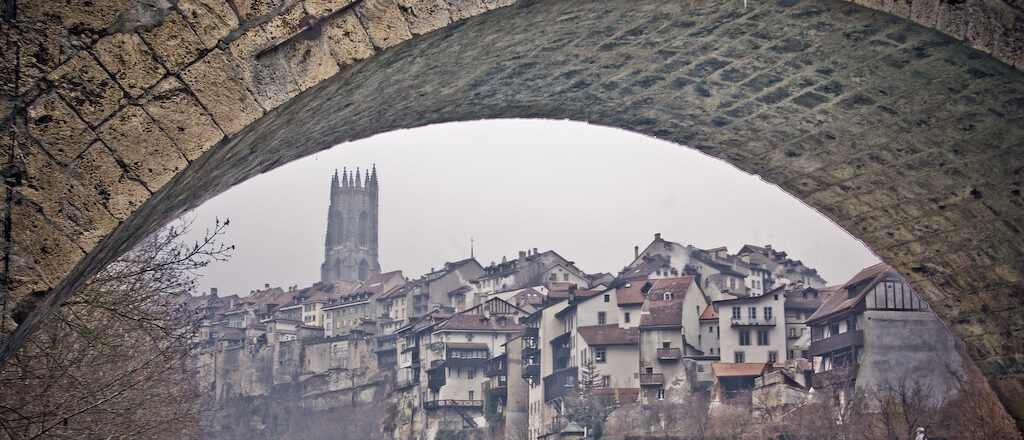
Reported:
(669, 354)
(652, 379)
(500, 390)
(760, 321)
(452, 403)
(835, 342)
(559, 383)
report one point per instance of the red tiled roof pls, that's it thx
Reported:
(633, 293)
(625, 395)
(663, 314)
(841, 300)
(709, 313)
(609, 335)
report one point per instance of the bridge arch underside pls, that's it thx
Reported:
(907, 138)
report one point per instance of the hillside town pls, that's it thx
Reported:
(512, 347)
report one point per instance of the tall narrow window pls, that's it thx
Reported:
(745, 337)
(600, 318)
(752, 311)
(768, 313)
(762, 337)
(364, 228)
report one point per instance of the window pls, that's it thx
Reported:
(666, 296)
(600, 355)
(833, 329)
(625, 317)
(745, 337)
(661, 394)
(752, 312)
(471, 394)
(762, 337)
(552, 277)
(851, 324)
(565, 277)
(767, 313)
(735, 313)
(666, 344)
(773, 356)
(471, 374)
(711, 329)
(607, 298)
(600, 318)
(606, 381)
(732, 283)
(792, 332)
(738, 357)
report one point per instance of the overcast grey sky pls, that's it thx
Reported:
(589, 192)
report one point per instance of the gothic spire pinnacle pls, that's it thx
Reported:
(344, 177)
(357, 178)
(373, 176)
(334, 182)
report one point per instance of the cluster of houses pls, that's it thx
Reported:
(755, 328)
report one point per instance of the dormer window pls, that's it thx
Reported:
(666, 296)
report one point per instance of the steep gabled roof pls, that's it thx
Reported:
(844, 298)
(609, 335)
(740, 369)
(709, 313)
(663, 314)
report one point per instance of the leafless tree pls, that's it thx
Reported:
(115, 361)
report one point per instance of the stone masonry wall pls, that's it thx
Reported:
(119, 115)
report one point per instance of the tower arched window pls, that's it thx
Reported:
(364, 228)
(364, 270)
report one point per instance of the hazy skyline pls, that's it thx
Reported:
(590, 193)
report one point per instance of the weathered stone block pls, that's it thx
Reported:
(38, 52)
(87, 88)
(266, 37)
(462, 9)
(322, 8)
(181, 118)
(924, 12)
(494, 4)
(70, 206)
(310, 61)
(210, 19)
(58, 128)
(383, 22)
(130, 61)
(174, 42)
(347, 38)
(118, 191)
(425, 15)
(214, 81)
(952, 19)
(40, 254)
(139, 143)
(76, 15)
(250, 9)
(268, 78)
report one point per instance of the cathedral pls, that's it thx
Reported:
(350, 250)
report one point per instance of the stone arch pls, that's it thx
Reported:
(906, 137)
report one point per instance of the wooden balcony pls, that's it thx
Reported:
(559, 383)
(837, 342)
(669, 354)
(531, 371)
(652, 379)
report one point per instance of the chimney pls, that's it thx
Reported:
(522, 254)
(657, 236)
(213, 291)
(534, 251)
(266, 286)
(636, 251)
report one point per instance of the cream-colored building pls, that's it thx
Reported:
(752, 329)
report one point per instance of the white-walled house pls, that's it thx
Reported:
(752, 329)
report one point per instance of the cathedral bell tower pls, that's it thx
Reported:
(350, 250)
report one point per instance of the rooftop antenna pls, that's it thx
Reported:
(471, 246)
